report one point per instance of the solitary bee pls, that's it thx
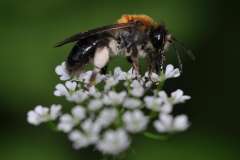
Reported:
(133, 36)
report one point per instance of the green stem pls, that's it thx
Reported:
(155, 136)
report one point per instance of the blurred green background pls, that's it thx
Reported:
(30, 28)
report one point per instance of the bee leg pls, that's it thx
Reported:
(159, 62)
(93, 77)
(151, 65)
(135, 60)
(150, 71)
(163, 62)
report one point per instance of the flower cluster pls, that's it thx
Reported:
(117, 106)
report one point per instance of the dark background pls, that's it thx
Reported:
(28, 30)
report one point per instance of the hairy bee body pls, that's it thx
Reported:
(133, 36)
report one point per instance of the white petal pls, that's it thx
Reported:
(33, 118)
(137, 92)
(154, 77)
(180, 123)
(71, 85)
(113, 142)
(114, 98)
(78, 96)
(163, 95)
(79, 139)
(131, 103)
(148, 84)
(166, 108)
(79, 112)
(95, 104)
(66, 123)
(135, 121)
(62, 72)
(55, 111)
(61, 89)
(159, 126)
(57, 93)
(166, 120)
(107, 116)
(171, 72)
(110, 82)
(119, 74)
(169, 69)
(178, 97)
(85, 77)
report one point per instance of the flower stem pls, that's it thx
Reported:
(155, 136)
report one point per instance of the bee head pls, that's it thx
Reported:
(160, 38)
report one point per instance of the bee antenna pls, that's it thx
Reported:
(187, 50)
(178, 58)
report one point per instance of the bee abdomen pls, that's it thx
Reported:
(80, 55)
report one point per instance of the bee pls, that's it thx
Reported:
(133, 36)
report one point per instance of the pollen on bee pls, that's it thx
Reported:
(146, 20)
(101, 57)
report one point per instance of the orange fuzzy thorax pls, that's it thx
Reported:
(146, 20)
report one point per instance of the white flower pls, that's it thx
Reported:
(66, 123)
(91, 130)
(79, 139)
(78, 113)
(136, 83)
(119, 74)
(42, 114)
(61, 90)
(167, 123)
(131, 103)
(62, 72)
(157, 104)
(137, 89)
(78, 96)
(97, 119)
(135, 121)
(92, 91)
(91, 127)
(171, 72)
(178, 97)
(89, 134)
(95, 104)
(166, 103)
(71, 85)
(110, 82)
(38, 115)
(148, 84)
(107, 117)
(154, 76)
(85, 77)
(55, 111)
(137, 92)
(114, 98)
(131, 74)
(113, 142)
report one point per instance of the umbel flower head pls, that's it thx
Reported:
(119, 105)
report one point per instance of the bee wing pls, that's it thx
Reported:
(95, 31)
